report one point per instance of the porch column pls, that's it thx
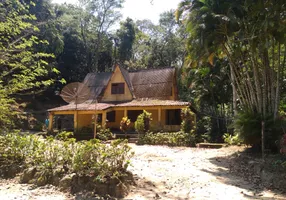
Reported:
(51, 119)
(75, 120)
(125, 112)
(159, 114)
(159, 117)
(103, 122)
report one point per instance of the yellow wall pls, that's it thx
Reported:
(117, 77)
(84, 120)
(155, 124)
(118, 116)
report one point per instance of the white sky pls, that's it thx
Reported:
(141, 9)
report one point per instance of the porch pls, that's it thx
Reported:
(164, 118)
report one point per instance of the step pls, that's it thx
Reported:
(211, 145)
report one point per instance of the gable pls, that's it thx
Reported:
(117, 78)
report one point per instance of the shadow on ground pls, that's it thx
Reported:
(149, 190)
(247, 170)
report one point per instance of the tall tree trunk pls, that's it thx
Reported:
(234, 94)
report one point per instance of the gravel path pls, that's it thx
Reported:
(165, 173)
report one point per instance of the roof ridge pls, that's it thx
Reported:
(151, 69)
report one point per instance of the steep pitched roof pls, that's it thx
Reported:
(152, 83)
(147, 83)
(126, 76)
(97, 83)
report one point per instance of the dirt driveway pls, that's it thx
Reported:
(190, 173)
(166, 173)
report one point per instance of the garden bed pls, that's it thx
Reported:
(70, 165)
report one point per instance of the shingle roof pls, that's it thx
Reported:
(134, 103)
(97, 83)
(153, 83)
(152, 102)
(83, 106)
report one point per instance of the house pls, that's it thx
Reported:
(122, 93)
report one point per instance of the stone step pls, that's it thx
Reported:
(211, 145)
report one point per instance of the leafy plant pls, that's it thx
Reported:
(170, 139)
(248, 126)
(142, 124)
(232, 139)
(103, 134)
(188, 120)
(86, 158)
(124, 124)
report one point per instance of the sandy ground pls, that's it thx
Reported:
(165, 173)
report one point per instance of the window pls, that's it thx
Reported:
(111, 116)
(173, 117)
(117, 88)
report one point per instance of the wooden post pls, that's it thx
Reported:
(125, 112)
(51, 119)
(103, 122)
(75, 120)
(159, 117)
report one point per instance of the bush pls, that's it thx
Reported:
(142, 124)
(170, 139)
(188, 120)
(232, 139)
(86, 158)
(248, 125)
(103, 134)
(124, 124)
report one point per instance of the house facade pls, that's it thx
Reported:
(114, 95)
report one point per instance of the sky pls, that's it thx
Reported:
(141, 9)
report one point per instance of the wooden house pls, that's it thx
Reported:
(122, 93)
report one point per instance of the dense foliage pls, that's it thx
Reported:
(170, 139)
(188, 120)
(22, 67)
(250, 36)
(142, 124)
(85, 158)
(124, 124)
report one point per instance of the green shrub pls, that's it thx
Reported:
(124, 124)
(86, 158)
(170, 139)
(142, 124)
(100, 160)
(188, 120)
(248, 125)
(232, 139)
(103, 134)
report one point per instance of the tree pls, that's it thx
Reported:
(159, 45)
(101, 15)
(251, 36)
(126, 36)
(22, 68)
